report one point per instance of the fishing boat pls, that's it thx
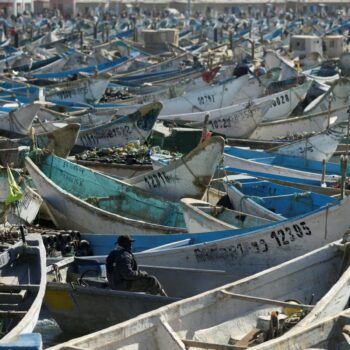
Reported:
(18, 203)
(132, 127)
(73, 192)
(23, 282)
(335, 101)
(17, 121)
(201, 216)
(250, 250)
(86, 90)
(320, 146)
(86, 118)
(329, 333)
(234, 121)
(289, 127)
(188, 176)
(268, 200)
(223, 94)
(92, 70)
(272, 60)
(58, 138)
(238, 315)
(239, 122)
(26, 341)
(93, 306)
(296, 169)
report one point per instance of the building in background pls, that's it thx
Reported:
(41, 5)
(14, 7)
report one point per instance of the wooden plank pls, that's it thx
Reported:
(346, 329)
(346, 333)
(248, 338)
(203, 345)
(12, 297)
(60, 264)
(267, 301)
(9, 306)
(18, 287)
(12, 313)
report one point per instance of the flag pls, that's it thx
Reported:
(15, 193)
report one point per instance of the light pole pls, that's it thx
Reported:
(188, 8)
(14, 7)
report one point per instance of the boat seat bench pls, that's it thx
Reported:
(13, 297)
(12, 314)
(18, 287)
(266, 301)
(212, 346)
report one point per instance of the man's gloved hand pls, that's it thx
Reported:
(143, 274)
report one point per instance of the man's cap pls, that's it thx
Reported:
(124, 239)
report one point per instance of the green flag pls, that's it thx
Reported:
(15, 192)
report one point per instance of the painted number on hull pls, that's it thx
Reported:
(280, 100)
(93, 138)
(224, 123)
(220, 123)
(202, 100)
(157, 180)
(290, 234)
(232, 252)
(283, 237)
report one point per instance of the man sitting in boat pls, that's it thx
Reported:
(124, 274)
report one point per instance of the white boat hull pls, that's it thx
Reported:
(251, 165)
(259, 249)
(292, 126)
(188, 176)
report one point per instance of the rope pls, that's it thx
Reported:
(256, 199)
(302, 195)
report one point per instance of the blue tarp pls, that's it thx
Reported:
(100, 68)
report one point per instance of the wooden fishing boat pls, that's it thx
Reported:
(251, 250)
(319, 147)
(23, 282)
(282, 167)
(27, 341)
(239, 314)
(268, 200)
(272, 60)
(329, 333)
(132, 127)
(59, 141)
(324, 75)
(188, 176)
(235, 121)
(95, 69)
(223, 94)
(25, 209)
(286, 128)
(241, 120)
(73, 192)
(86, 119)
(87, 90)
(17, 121)
(167, 88)
(93, 306)
(335, 101)
(201, 216)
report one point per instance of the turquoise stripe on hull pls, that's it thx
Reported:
(111, 195)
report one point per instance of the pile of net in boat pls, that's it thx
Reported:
(132, 153)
